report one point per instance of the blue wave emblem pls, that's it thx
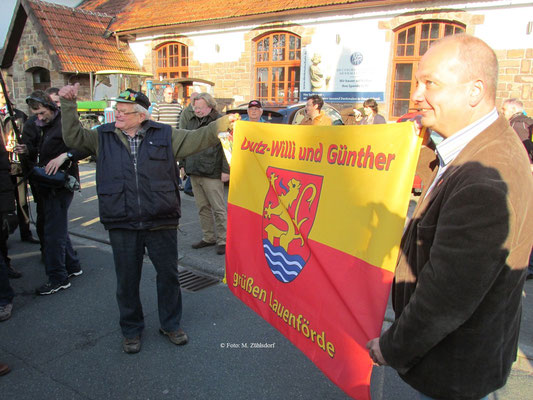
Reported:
(284, 266)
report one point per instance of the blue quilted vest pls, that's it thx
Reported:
(142, 196)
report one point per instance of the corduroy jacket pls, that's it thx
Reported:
(459, 278)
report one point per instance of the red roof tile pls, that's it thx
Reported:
(77, 38)
(112, 7)
(139, 14)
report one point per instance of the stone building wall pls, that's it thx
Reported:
(515, 77)
(32, 53)
(234, 81)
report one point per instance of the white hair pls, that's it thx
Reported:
(141, 110)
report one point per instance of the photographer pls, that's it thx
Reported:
(53, 155)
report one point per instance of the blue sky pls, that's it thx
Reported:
(7, 13)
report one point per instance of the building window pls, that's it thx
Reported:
(410, 44)
(277, 67)
(172, 61)
(41, 78)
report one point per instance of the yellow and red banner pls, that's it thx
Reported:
(315, 217)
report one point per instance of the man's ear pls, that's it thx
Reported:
(477, 92)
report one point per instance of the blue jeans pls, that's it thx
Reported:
(59, 256)
(128, 250)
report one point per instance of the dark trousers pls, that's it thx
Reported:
(128, 250)
(6, 292)
(59, 256)
(4, 235)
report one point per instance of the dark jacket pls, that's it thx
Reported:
(459, 278)
(31, 137)
(141, 196)
(210, 162)
(183, 144)
(48, 142)
(523, 125)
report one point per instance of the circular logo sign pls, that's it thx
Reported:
(356, 58)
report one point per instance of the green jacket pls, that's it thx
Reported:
(184, 143)
(185, 117)
(211, 162)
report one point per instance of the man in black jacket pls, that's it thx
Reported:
(60, 259)
(31, 137)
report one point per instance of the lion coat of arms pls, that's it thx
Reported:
(288, 215)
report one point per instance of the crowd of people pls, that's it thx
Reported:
(464, 253)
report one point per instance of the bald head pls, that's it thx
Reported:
(475, 60)
(456, 83)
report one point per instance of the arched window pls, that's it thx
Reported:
(172, 61)
(277, 67)
(410, 44)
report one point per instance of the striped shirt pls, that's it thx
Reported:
(167, 113)
(449, 148)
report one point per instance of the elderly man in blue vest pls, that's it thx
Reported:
(137, 186)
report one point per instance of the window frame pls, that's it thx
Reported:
(182, 58)
(414, 59)
(290, 81)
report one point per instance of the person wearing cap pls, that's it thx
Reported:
(139, 201)
(60, 260)
(255, 112)
(313, 112)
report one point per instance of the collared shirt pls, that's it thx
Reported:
(449, 148)
(135, 142)
(320, 119)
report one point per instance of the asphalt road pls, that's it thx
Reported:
(68, 345)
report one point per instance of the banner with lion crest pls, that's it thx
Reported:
(315, 217)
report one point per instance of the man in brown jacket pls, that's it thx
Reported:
(459, 278)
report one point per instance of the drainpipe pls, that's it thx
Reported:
(91, 84)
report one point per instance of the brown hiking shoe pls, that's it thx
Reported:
(202, 244)
(131, 345)
(178, 337)
(4, 369)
